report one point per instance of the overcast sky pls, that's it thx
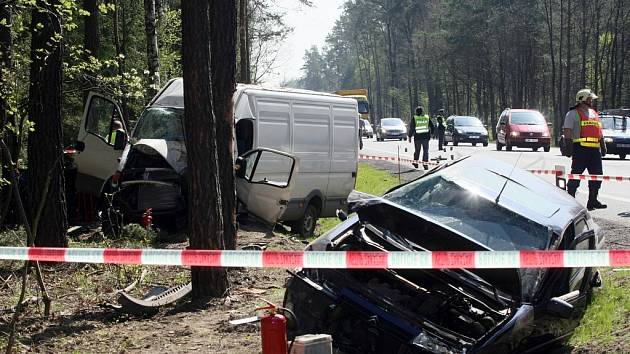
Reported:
(310, 27)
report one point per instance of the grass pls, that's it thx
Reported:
(369, 180)
(606, 318)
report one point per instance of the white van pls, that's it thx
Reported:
(319, 130)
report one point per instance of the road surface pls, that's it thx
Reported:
(615, 194)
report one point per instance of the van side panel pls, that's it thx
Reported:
(311, 143)
(273, 124)
(343, 165)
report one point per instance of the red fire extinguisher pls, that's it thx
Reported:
(147, 219)
(273, 330)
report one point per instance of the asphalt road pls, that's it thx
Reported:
(615, 194)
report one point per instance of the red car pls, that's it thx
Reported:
(524, 128)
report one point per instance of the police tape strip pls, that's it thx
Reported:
(546, 172)
(392, 158)
(327, 259)
(597, 177)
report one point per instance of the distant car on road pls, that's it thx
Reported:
(391, 128)
(524, 128)
(616, 135)
(368, 131)
(465, 129)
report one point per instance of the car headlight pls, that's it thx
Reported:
(545, 134)
(460, 131)
(608, 140)
(514, 133)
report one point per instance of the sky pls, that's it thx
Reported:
(310, 27)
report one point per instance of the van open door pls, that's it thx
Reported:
(99, 143)
(264, 180)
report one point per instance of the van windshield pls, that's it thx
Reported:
(527, 118)
(160, 123)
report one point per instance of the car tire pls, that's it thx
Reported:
(485, 143)
(305, 226)
(534, 149)
(445, 142)
(499, 146)
(455, 142)
(474, 144)
(508, 146)
(547, 148)
(622, 156)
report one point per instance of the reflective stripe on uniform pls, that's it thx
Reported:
(422, 124)
(112, 138)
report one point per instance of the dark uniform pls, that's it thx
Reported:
(585, 149)
(441, 128)
(420, 128)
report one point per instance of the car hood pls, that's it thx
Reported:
(616, 133)
(174, 152)
(471, 129)
(525, 128)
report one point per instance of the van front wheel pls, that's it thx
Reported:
(305, 226)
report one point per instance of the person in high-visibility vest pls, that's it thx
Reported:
(585, 144)
(441, 127)
(118, 132)
(420, 128)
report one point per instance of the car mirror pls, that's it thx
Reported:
(120, 140)
(79, 145)
(590, 234)
(239, 167)
(560, 307)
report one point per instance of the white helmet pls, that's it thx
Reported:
(583, 94)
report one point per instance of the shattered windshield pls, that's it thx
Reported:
(463, 210)
(160, 123)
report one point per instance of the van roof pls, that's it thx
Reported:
(172, 95)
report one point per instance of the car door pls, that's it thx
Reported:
(264, 181)
(97, 159)
(501, 128)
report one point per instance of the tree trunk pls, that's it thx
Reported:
(6, 191)
(45, 143)
(223, 67)
(204, 202)
(243, 39)
(153, 56)
(569, 63)
(92, 28)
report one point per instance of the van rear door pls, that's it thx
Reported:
(264, 181)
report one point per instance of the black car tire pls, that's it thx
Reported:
(622, 156)
(508, 146)
(455, 142)
(445, 142)
(485, 143)
(474, 144)
(499, 146)
(547, 148)
(534, 149)
(305, 226)
(400, 139)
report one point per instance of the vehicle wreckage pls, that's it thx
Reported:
(475, 204)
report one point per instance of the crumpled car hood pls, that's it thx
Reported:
(174, 152)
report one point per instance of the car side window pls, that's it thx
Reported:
(100, 116)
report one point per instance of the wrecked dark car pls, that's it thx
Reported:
(474, 204)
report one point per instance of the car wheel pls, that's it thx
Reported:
(455, 142)
(485, 143)
(622, 156)
(305, 227)
(547, 148)
(499, 146)
(399, 139)
(474, 144)
(110, 217)
(508, 146)
(445, 142)
(535, 148)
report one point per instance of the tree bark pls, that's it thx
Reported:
(153, 56)
(223, 67)
(92, 28)
(205, 200)
(243, 39)
(45, 143)
(6, 191)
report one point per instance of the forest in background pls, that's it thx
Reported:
(476, 57)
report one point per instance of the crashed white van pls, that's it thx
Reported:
(274, 129)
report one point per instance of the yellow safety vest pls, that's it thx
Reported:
(422, 124)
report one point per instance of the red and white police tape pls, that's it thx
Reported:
(328, 259)
(393, 158)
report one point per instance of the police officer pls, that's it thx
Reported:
(420, 128)
(118, 132)
(441, 127)
(584, 142)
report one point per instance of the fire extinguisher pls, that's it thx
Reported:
(147, 219)
(273, 330)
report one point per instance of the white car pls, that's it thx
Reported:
(368, 131)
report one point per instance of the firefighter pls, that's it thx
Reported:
(420, 128)
(585, 144)
(118, 132)
(441, 127)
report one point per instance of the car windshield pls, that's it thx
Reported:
(527, 118)
(160, 123)
(390, 122)
(468, 122)
(363, 107)
(614, 122)
(446, 200)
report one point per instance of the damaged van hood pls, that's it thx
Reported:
(174, 152)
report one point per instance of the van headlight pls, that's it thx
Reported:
(514, 133)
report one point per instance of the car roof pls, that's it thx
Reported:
(523, 110)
